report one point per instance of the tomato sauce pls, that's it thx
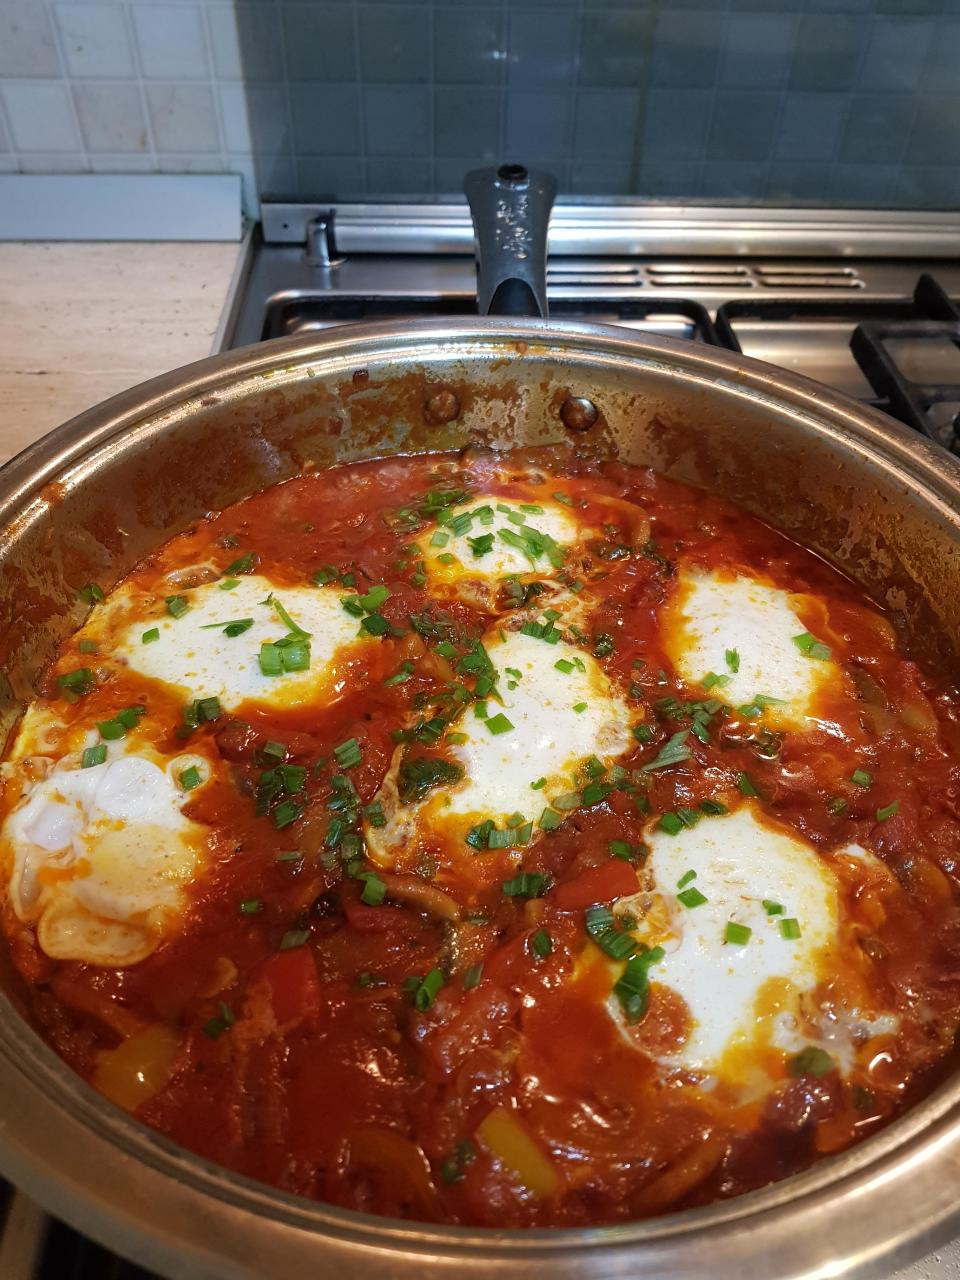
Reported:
(300, 1042)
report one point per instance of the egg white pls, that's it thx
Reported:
(711, 614)
(99, 857)
(548, 740)
(201, 660)
(738, 862)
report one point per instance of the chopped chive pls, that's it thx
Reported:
(713, 808)
(563, 498)
(271, 663)
(177, 606)
(402, 674)
(643, 733)
(348, 753)
(447, 558)
(737, 934)
(862, 778)
(811, 1061)
(622, 849)
(541, 944)
(440, 539)
(569, 800)
(837, 806)
(472, 976)
(286, 812)
(374, 890)
(457, 739)
(374, 598)
(531, 509)
(888, 810)
(712, 681)
(294, 938)
(92, 593)
(228, 584)
(190, 778)
(672, 752)
(603, 645)
(632, 989)
(148, 637)
(563, 665)
(608, 934)
(93, 755)
(251, 906)
(772, 908)
(499, 724)
(745, 785)
(811, 646)
(243, 565)
(789, 928)
(538, 785)
(691, 897)
(549, 820)
(579, 707)
(732, 659)
(76, 682)
(425, 993)
(686, 878)
(111, 729)
(670, 823)
(528, 884)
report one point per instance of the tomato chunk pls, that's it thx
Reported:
(294, 986)
(612, 879)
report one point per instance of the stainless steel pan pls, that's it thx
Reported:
(93, 497)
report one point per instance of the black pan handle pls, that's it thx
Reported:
(511, 210)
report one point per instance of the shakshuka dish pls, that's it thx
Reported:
(505, 840)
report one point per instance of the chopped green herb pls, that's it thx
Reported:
(348, 754)
(251, 906)
(563, 665)
(215, 1027)
(888, 810)
(294, 938)
(789, 928)
(148, 637)
(481, 544)
(772, 908)
(286, 812)
(862, 778)
(541, 944)
(712, 681)
(686, 878)
(228, 584)
(190, 778)
(737, 934)
(404, 672)
(76, 683)
(579, 707)
(418, 775)
(837, 806)
(603, 645)
(622, 849)
(245, 564)
(538, 785)
(93, 756)
(811, 646)
(549, 820)
(745, 785)
(235, 628)
(632, 989)
(605, 930)
(643, 733)
(713, 808)
(92, 593)
(691, 897)
(811, 1061)
(670, 823)
(374, 890)
(177, 606)
(472, 976)
(528, 884)
(499, 724)
(672, 752)
(426, 991)
(732, 659)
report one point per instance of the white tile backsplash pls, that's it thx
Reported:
(171, 41)
(40, 115)
(94, 40)
(111, 117)
(27, 43)
(184, 118)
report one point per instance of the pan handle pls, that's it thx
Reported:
(511, 210)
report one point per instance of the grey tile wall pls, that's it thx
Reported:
(788, 102)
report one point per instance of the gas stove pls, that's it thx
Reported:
(863, 302)
(868, 303)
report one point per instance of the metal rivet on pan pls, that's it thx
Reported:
(442, 406)
(577, 413)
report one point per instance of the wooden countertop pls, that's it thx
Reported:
(80, 322)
